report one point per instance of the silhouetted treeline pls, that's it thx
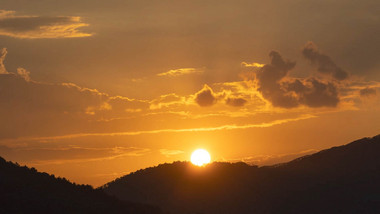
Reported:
(24, 190)
(343, 179)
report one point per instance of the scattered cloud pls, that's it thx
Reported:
(180, 71)
(89, 112)
(324, 63)
(38, 27)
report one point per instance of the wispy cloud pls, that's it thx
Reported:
(169, 100)
(157, 131)
(367, 92)
(38, 27)
(253, 64)
(37, 102)
(180, 71)
(67, 154)
(169, 152)
(267, 160)
(3, 54)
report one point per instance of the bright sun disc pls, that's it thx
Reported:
(200, 157)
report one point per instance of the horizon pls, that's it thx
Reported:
(93, 90)
(283, 161)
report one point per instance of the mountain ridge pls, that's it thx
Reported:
(342, 179)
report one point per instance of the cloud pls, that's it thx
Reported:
(72, 154)
(24, 74)
(324, 63)
(367, 92)
(180, 71)
(268, 160)
(236, 101)
(283, 91)
(314, 93)
(32, 105)
(36, 27)
(168, 152)
(158, 131)
(205, 97)
(269, 77)
(168, 100)
(37, 107)
(254, 64)
(3, 53)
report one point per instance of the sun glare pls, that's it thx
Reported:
(200, 157)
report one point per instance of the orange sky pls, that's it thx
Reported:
(92, 90)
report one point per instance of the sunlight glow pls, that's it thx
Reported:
(200, 157)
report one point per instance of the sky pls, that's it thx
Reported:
(91, 90)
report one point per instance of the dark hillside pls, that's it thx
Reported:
(24, 190)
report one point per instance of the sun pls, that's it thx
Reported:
(200, 157)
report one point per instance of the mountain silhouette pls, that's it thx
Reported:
(24, 190)
(344, 179)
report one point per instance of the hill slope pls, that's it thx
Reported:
(344, 179)
(24, 190)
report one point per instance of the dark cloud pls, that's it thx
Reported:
(269, 78)
(32, 27)
(205, 97)
(324, 63)
(236, 101)
(314, 93)
(367, 92)
(283, 91)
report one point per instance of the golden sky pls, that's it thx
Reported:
(92, 90)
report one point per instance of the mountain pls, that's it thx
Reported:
(344, 179)
(24, 190)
